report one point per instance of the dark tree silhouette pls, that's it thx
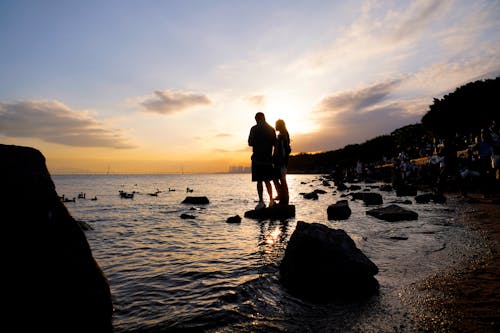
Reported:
(463, 112)
(466, 110)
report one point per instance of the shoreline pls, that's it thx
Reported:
(465, 298)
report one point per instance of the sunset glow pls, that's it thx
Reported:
(173, 86)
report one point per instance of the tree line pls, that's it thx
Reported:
(461, 113)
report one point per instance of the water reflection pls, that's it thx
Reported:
(272, 240)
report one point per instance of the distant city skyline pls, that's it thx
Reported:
(164, 86)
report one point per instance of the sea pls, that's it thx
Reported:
(169, 273)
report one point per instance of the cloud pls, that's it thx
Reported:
(358, 115)
(223, 135)
(257, 100)
(52, 121)
(358, 100)
(169, 101)
(380, 35)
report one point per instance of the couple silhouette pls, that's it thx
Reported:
(270, 159)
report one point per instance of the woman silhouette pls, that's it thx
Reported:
(280, 160)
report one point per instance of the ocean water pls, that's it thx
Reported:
(167, 273)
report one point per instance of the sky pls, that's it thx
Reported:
(173, 86)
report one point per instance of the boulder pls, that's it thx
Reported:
(275, 212)
(234, 219)
(368, 198)
(46, 259)
(393, 213)
(196, 200)
(339, 210)
(323, 264)
(311, 195)
(185, 216)
(405, 190)
(430, 197)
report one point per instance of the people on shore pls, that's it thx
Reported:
(484, 149)
(262, 139)
(280, 160)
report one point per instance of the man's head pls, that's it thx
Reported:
(259, 116)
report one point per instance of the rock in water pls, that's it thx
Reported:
(234, 219)
(339, 210)
(393, 213)
(323, 264)
(196, 200)
(275, 212)
(51, 281)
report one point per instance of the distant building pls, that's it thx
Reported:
(239, 169)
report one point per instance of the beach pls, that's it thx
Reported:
(467, 297)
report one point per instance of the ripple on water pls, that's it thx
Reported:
(166, 272)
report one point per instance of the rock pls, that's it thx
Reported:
(428, 197)
(386, 188)
(311, 196)
(339, 211)
(196, 200)
(393, 213)
(234, 219)
(48, 258)
(319, 191)
(275, 212)
(187, 216)
(84, 225)
(406, 191)
(368, 198)
(341, 187)
(323, 264)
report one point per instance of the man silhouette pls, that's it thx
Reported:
(262, 139)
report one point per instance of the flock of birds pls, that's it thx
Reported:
(123, 194)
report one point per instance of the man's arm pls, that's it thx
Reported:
(251, 137)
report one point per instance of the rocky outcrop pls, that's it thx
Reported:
(51, 282)
(323, 264)
(339, 210)
(275, 212)
(393, 213)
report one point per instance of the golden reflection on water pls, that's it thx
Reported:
(273, 235)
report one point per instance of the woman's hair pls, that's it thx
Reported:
(280, 125)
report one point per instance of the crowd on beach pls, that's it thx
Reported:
(469, 163)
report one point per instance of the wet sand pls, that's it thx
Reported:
(466, 298)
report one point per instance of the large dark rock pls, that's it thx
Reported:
(339, 210)
(430, 197)
(323, 264)
(405, 190)
(275, 212)
(368, 198)
(50, 280)
(393, 213)
(196, 200)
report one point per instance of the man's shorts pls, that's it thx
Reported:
(262, 171)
